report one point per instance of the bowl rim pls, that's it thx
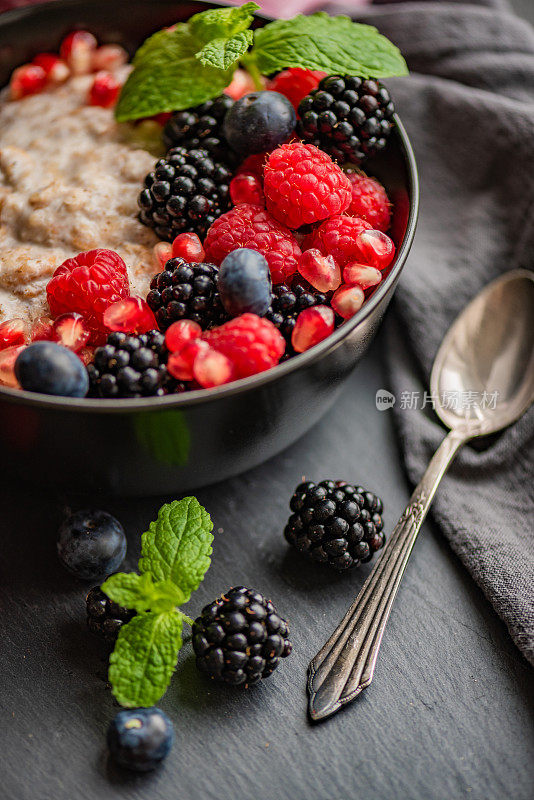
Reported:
(200, 396)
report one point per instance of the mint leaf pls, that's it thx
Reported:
(140, 592)
(144, 658)
(335, 45)
(167, 76)
(222, 22)
(177, 546)
(222, 53)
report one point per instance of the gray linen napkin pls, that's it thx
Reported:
(469, 110)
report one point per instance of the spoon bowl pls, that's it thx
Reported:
(483, 374)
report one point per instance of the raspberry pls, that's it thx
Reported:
(369, 201)
(88, 284)
(337, 237)
(251, 343)
(253, 227)
(303, 185)
(295, 83)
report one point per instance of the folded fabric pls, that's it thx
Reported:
(469, 110)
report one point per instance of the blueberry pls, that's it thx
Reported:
(49, 368)
(139, 738)
(244, 283)
(259, 121)
(91, 544)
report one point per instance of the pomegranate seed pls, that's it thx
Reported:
(376, 248)
(179, 333)
(70, 331)
(105, 90)
(241, 84)
(347, 301)
(12, 332)
(162, 252)
(26, 80)
(321, 271)
(312, 326)
(55, 68)
(362, 275)
(189, 247)
(7, 365)
(86, 355)
(108, 56)
(162, 118)
(77, 50)
(211, 368)
(180, 365)
(131, 315)
(246, 189)
(42, 330)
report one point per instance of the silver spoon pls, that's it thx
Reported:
(489, 353)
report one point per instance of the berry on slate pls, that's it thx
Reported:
(140, 738)
(186, 191)
(295, 83)
(302, 185)
(240, 638)
(288, 301)
(104, 617)
(335, 523)
(49, 368)
(337, 237)
(91, 544)
(251, 343)
(253, 227)
(312, 326)
(347, 117)
(259, 121)
(186, 291)
(132, 366)
(201, 126)
(244, 283)
(88, 284)
(369, 201)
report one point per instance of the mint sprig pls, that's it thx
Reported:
(194, 61)
(175, 556)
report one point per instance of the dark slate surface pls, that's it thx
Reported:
(447, 715)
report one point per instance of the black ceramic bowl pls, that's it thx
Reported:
(176, 443)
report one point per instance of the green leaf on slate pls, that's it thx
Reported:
(335, 45)
(177, 546)
(144, 658)
(141, 593)
(222, 53)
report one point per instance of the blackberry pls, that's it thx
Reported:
(186, 291)
(201, 126)
(347, 117)
(104, 617)
(132, 366)
(239, 638)
(335, 523)
(186, 191)
(288, 301)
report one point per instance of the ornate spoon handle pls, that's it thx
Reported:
(345, 665)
